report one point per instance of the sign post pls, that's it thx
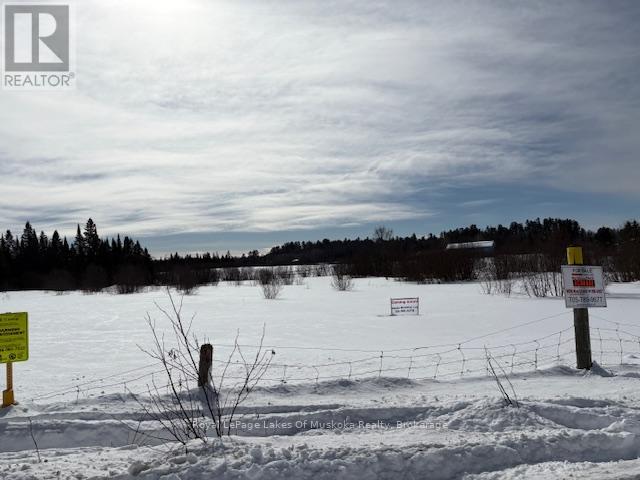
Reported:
(7, 395)
(14, 347)
(583, 287)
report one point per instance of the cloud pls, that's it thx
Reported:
(478, 203)
(262, 115)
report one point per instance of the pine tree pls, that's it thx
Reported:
(56, 244)
(29, 239)
(10, 244)
(79, 245)
(65, 246)
(127, 246)
(91, 238)
(43, 243)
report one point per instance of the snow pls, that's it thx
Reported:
(394, 421)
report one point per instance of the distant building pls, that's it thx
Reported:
(485, 246)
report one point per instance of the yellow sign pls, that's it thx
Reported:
(14, 337)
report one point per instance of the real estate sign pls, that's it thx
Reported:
(583, 286)
(405, 306)
(14, 337)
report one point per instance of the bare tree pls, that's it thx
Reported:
(185, 407)
(491, 279)
(270, 282)
(382, 233)
(340, 278)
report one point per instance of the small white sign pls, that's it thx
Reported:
(583, 286)
(405, 306)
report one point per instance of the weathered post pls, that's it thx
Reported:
(7, 395)
(580, 319)
(206, 360)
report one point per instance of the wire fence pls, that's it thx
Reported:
(612, 343)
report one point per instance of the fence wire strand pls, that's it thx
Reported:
(434, 362)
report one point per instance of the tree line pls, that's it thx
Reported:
(426, 257)
(88, 262)
(91, 263)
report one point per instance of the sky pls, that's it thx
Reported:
(207, 125)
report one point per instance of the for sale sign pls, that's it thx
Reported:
(583, 286)
(405, 306)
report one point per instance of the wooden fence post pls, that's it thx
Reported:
(580, 319)
(206, 359)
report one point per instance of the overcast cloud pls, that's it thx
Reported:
(266, 116)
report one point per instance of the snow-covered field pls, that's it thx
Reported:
(352, 392)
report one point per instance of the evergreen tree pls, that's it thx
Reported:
(91, 238)
(56, 244)
(43, 244)
(79, 245)
(29, 241)
(10, 244)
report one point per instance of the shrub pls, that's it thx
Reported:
(340, 278)
(285, 274)
(270, 283)
(130, 279)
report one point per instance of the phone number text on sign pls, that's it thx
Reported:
(405, 306)
(583, 286)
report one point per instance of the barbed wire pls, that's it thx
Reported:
(450, 361)
(598, 317)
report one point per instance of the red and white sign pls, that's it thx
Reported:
(583, 286)
(405, 306)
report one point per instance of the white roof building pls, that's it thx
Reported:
(486, 245)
